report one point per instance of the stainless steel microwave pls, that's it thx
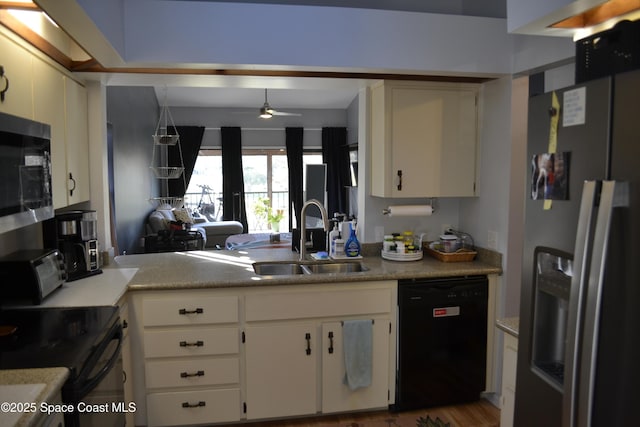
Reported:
(26, 195)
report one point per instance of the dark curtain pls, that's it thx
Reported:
(336, 156)
(232, 177)
(294, 161)
(190, 141)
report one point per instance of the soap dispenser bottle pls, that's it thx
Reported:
(352, 246)
(333, 236)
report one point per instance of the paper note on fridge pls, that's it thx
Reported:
(574, 107)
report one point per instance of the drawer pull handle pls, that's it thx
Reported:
(331, 342)
(195, 374)
(184, 311)
(191, 344)
(307, 336)
(399, 180)
(193, 405)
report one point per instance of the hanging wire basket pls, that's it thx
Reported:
(167, 172)
(165, 139)
(161, 135)
(174, 202)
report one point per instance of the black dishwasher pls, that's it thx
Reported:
(442, 341)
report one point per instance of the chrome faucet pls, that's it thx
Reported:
(303, 227)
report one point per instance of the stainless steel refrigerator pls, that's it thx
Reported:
(579, 342)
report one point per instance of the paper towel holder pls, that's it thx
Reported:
(431, 202)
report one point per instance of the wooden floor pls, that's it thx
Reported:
(477, 414)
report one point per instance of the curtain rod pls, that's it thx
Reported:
(256, 129)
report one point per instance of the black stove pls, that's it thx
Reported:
(86, 340)
(52, 337)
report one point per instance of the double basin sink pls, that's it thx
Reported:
(276, 268)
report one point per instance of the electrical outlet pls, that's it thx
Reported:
(492, 240)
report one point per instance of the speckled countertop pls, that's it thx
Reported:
(510, 325)
(224, 268)
(54, 378)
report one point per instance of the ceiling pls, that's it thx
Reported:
(311, 93)
(485, 8)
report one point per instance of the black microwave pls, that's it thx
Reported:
(26, 195)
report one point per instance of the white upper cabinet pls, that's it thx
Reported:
(48, 88)
(77, 143)
(424, 139)
(16, 63)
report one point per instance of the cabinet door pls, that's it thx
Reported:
(77, 142)
(434, 142)
(16, 61)
(336, 395)
(281, 366)
(509, 368)
(48, 89)
(424, 140)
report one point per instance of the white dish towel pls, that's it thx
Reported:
(357, 336)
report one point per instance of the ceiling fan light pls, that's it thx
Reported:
(265, 113)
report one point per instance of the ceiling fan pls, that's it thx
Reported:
(266, 111)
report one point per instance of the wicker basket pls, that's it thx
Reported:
(460, 255)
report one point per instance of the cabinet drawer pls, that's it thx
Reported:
(300, 305)
(191, 342)
(189, 310)
(193, 407)
(191, 372)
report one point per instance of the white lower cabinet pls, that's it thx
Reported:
(509, 368)
(215, 356)
(295, 363)
(336, 395)
(281, 370)
(191, 364)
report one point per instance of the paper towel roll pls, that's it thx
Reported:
(409, 210)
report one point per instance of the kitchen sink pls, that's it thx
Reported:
(333, 267)
(275, 268)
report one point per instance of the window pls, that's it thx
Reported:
(266, 175)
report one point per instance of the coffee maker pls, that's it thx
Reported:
(74, 234)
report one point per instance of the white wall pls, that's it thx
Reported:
(489, 212)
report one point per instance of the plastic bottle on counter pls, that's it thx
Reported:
(339, 248)
(352, 246)
(388, 244)
(333, 236)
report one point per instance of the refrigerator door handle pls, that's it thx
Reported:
(576, 301)
(614, 194)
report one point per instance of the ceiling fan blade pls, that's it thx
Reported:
(282, 113)
(266, 111)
